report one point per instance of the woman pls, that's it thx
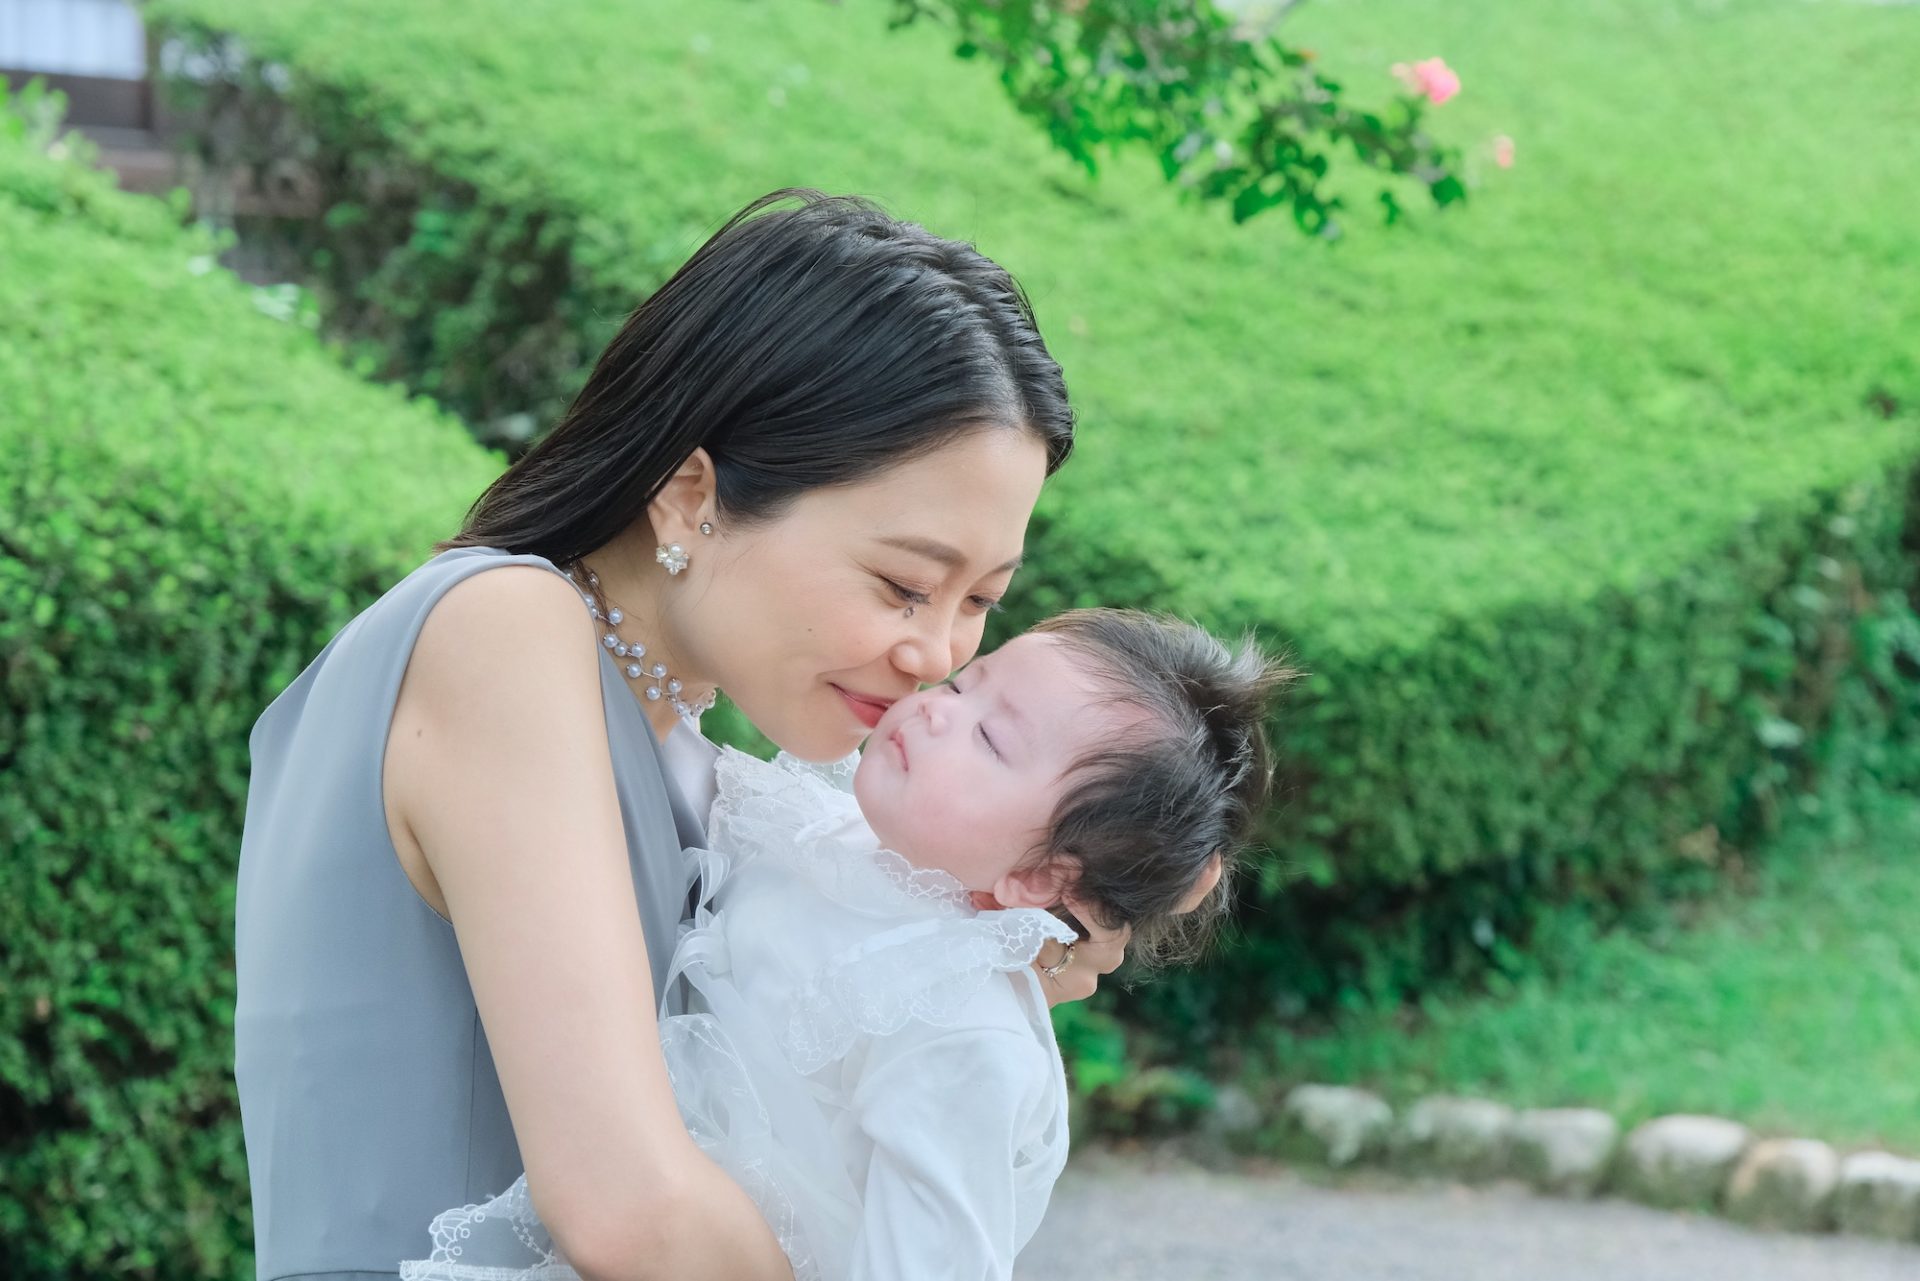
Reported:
(802, 472)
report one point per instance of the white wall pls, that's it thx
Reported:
(73, 37)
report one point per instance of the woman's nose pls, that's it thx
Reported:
(926, 653)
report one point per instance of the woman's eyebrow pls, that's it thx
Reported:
(934, 550)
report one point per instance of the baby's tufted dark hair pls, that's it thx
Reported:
(1143, 817)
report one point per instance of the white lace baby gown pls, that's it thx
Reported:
(870, 1057)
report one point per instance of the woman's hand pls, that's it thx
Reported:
(1100, 950)
(1077, 967)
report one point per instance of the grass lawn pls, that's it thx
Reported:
(1792, 1003)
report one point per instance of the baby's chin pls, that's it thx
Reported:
(870, 790)
(865, 770)
(889, 814)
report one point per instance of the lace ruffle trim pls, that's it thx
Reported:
(925, 970)
(504, 1231)
(801, 816)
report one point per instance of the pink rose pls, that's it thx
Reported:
(1434, 78)
(1503, 151)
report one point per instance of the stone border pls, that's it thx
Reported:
(1677, 1162)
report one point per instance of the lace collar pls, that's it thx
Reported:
(804, 816)
(931, 957)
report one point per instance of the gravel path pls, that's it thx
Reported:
(1134, 1218)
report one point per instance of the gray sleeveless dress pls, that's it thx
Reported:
(368, 1094)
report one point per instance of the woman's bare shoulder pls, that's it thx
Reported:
(502, 686)
(515, 627)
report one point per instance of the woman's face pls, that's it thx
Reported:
(803, 621)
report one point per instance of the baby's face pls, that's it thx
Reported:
(964, 776)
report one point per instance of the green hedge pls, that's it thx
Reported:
(195, 497)
(1571, 504)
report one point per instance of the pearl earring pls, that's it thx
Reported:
(673, 556)
(705, 528)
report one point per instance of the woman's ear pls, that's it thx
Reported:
(687, 499)
(1040, 884)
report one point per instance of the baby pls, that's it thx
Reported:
(868, 1050)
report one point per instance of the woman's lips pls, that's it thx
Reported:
(868, 710)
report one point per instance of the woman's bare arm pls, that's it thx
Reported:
(497, 763)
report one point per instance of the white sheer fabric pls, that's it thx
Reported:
(689, 756)
(865, 1053)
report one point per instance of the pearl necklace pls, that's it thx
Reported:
(659, 684)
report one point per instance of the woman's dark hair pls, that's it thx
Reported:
(812, 341)
(1142, 818)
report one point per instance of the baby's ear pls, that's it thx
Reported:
(1040, 885)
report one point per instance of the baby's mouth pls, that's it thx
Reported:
(899, 745)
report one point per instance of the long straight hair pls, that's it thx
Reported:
(812, 341)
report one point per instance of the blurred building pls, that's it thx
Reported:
(93, 51)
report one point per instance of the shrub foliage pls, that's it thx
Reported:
(195, 497)
(1572, 521)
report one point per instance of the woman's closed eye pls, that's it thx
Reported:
(907, 595)
(918, 596)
